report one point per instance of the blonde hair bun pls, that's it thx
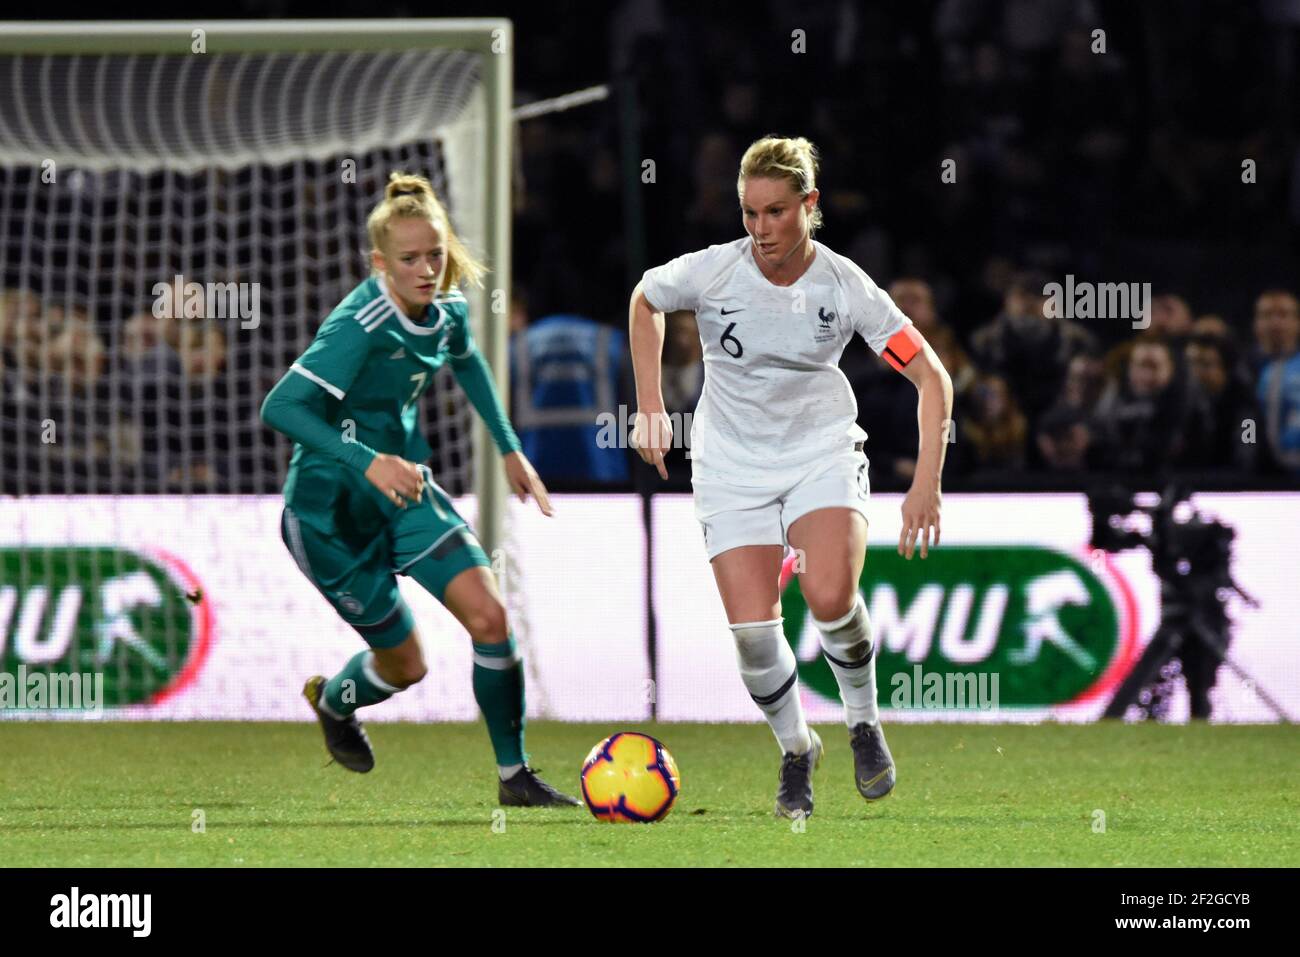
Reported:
(408, 184)
(411, 196)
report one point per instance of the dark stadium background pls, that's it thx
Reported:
(1122, 167)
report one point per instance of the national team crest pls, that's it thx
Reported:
(825, 330)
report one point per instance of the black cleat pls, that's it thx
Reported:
(794, 795)
(345, 739)
(526, 789)
(873, 765)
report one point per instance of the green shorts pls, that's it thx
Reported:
(427, 541)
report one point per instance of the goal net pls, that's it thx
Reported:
(180, 208)
(176, 227)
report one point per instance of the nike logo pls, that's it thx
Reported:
(399, 354)
(726, 313)
(866, 783)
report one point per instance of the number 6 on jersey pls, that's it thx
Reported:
(728, 337)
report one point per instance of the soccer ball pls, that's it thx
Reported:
(630, 778)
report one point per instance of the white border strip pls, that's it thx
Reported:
(307, 373)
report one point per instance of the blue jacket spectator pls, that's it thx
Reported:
(565, 371)
(1279, 397)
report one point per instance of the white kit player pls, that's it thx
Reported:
(777, 455)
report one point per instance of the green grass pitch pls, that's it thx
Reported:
(105, 795)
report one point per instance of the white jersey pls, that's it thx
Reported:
(774, 400)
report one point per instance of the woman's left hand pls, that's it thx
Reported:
(920, 517)
(523, 478)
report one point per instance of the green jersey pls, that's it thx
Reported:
(368, 365)
(375, 363)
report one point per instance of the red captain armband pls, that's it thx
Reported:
(903, 346)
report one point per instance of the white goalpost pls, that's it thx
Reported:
(228, 165)
(93, 113)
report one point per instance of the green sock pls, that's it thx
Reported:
(499, 691)
(356, 686)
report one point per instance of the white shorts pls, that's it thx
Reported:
(732, 516)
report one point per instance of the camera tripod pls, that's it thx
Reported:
(1193, 560)
(1192, 639)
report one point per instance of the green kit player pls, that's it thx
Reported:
(359, 511)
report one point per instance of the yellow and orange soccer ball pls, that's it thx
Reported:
(630, 778)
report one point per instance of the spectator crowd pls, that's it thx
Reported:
(149, 407)
(1036, 393)
(1091, 137)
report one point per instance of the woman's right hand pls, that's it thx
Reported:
(652, 437)
(396, 478)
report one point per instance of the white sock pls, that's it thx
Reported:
(507, 771)
(771, 675)
(849, 650)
